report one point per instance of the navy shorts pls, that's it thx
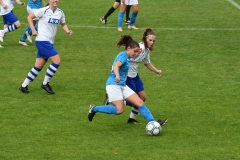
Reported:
(9, 18)
(45, 50)
(135, 84)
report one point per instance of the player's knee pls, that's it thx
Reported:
(119, 111)
(18, 24)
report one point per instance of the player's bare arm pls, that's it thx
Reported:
(65, 28)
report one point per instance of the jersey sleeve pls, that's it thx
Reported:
(39, 12)
(63, 18)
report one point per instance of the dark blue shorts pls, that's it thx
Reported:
(45, 49)
(9, 18)
(135, 84)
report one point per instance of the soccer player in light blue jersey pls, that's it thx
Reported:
(116, 87)
(10, 20)
(27, 34)
(133, 80)
(49, 19)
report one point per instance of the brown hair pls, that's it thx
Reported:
(127, 41)
(146, 33)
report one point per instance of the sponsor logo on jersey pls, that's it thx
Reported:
(54, 20)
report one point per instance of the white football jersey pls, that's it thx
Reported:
(144, 57)
(48, 23)
(10, 7)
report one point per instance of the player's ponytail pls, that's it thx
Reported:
(127, 41)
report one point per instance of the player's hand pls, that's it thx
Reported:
(23, 4)
(117, 79)
(5, 6)
(70, 32)
(34, 33)
(159, 72)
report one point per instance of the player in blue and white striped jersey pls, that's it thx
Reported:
(49, 19)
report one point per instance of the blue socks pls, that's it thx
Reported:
(106, 109)
(133, 18)
(146, 113)
(28, 29)
(120, 19)
(113, 110)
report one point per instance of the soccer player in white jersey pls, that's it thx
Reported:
(49, 19)
(116, 84)
(10, 20)
(27, 33)
(124, 3)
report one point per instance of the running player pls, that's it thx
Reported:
(116, 87)
(10, 20)
(49, 19)
(133, 79)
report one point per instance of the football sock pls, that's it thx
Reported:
(10, 28)
(110, 11)
(127, 103)
(106, 109)
(120, 18)
(134, 113)
(52, 68)
(145, 112)
(128, 11)
(33, 73)
(133, 18)
(24, 36)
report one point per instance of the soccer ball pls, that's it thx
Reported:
(153, 128)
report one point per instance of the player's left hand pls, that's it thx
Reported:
(159, 72)
(70, 32)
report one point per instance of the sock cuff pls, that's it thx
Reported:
(55, 65)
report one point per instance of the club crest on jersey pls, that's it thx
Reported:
(54, 20)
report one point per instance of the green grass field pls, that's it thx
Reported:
(197, 49)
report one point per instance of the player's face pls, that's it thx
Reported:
(53, 3)
(151, 40)
(133, 51)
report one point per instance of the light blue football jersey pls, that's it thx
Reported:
(124, 59)
(35, 5)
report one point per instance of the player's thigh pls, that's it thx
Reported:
(131, 2)
(135, 100)
(114, 93)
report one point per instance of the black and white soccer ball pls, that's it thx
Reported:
(153, 128)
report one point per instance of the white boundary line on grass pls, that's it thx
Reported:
(234, 3)
(172, 29)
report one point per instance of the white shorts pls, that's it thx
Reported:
(130, 2)
(30, 11)
(116, 92)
